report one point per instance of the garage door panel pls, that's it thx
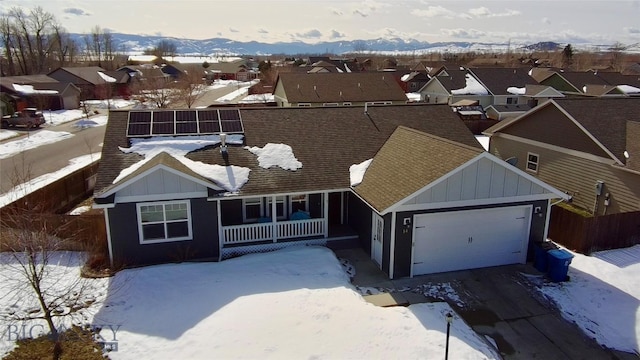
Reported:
(468, 239)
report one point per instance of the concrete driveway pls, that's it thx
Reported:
(496, 302)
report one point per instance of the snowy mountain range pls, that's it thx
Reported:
(133, 44)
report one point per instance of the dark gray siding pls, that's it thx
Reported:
(315, 205)
(404, 241)
(231, 212)
(126, 245)
(386, 244)
(359, 218)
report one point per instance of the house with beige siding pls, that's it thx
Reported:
(586, 147)
(337, 89)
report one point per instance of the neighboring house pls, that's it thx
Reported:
(88, 79)
(450, 86)
(231, 70)
(414, 81)
(337, 89)
(506, 86)
(590, 83)
(585, 147)
(39, 91)
(283, 177)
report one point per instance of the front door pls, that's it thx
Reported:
(376, 238)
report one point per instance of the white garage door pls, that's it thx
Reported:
(470, 239)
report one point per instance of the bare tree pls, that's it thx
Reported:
(29, 248)
(155, 90)
(190, 87)
(29, 40)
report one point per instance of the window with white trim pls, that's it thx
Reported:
(299, 202)
(281, 212)
(164, 221)
(252, 209)
(304, 104)
(533, 160)
(330, 104)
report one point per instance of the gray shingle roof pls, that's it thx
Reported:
(326, 140)
(407, 162)
(498, 80)
(341, 87)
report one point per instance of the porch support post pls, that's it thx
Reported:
(108, 228)
(325, 208)
(274, 217)
(221, 238)
(341, 207)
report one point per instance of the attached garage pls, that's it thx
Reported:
(445, 206)
(459, 240)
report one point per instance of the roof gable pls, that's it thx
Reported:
(408, 161)
(593, 125)
(176, 178)
(417, 170)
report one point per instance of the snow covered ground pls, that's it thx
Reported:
(602, 296)
(299, 303)
(289, 304)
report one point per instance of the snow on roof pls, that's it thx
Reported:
(516, 90)
(356, 172)
(628, 89)
(405, 77)
(231, 178)
(106, 77)
(473, 87)
(28, 89)
(276, 155)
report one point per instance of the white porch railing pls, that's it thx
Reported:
(299, 228)
(238, 234)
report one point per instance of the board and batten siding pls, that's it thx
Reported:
(127, 249)
(577, 176)
(160, 182)
(483, 179)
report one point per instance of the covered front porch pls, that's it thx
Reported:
(299, 218)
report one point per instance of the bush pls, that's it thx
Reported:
(77, 344)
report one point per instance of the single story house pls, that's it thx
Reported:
(217, 183)
(337, 89)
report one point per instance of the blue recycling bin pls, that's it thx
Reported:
(559, 261)
(540, 257)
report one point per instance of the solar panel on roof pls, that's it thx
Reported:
(226, 114)
(139, 117)
(185, 115)
(209, 127)
(186, 128)
(139, 123)
(208, 115)
(184, 122)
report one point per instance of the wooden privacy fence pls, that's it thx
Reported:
(588, 234)
(59, 196)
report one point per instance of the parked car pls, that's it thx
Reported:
(29, 118)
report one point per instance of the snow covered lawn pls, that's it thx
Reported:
(290, 304)
(602, 296)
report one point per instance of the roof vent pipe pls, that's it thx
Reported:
(223, 143)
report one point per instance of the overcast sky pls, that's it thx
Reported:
(311, 21)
